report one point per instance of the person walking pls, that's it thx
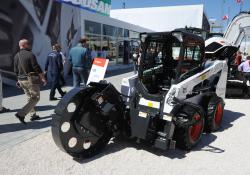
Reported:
(2, 109)
(54, 67)
(29, 75)
(245, 68)
(78, 57)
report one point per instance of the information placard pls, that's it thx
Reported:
(98, 70)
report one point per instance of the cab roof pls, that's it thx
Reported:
(187, 37)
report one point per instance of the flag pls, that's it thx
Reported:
(225, 17)
(238, 1)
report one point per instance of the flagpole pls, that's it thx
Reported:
(222, 11)
(241, 4)
(228, 15)
(123, 4)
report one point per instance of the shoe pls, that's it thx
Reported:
(35, 117)
(21, 119)
(4, 110)
(53, 99)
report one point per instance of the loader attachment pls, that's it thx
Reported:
(86, 119)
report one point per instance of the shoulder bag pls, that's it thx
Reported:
(33, 77)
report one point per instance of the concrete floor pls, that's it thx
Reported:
(31, 150)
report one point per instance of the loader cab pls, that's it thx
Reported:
(168, 58)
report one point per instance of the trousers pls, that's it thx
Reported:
(32, 92)
(80, 76)
(55, 84)
(1, 93)
(246, 77)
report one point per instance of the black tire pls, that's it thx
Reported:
(234, 89)
(214, 114)
(97, 147)
(189, 133)
(80, 140)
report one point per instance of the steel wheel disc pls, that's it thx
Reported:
(75, 129)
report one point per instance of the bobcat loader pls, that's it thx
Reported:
(175, 97)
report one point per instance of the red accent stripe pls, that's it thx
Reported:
(99, 62)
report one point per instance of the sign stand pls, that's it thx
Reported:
(98, 70)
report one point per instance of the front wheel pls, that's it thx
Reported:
(214, 114)
(188, 133)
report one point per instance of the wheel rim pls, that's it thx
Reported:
(196, 129)
(71, 133)
(218, 114)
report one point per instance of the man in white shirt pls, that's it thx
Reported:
(244, 67)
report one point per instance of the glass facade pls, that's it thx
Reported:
(92, 27)
(110, 42)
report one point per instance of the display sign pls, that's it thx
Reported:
(99, 6)
(98, 70)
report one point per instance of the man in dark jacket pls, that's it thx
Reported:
(54, 67)
(25, 63)
(78, 57)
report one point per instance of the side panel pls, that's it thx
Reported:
(128, 87)
(186, 87)
(222, 83)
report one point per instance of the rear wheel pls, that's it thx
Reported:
(189, 132)
(214, 114)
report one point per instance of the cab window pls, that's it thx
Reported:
(191, 60)
(192, 53)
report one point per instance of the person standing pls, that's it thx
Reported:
(238, 58)
(93, 53)
(104, 53)
(78, 57)
(136, 60)
(245, 68)
(27, 69)
(2, 109)
(54, 67)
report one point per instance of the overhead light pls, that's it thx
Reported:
(178, 35)
(143, 37)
